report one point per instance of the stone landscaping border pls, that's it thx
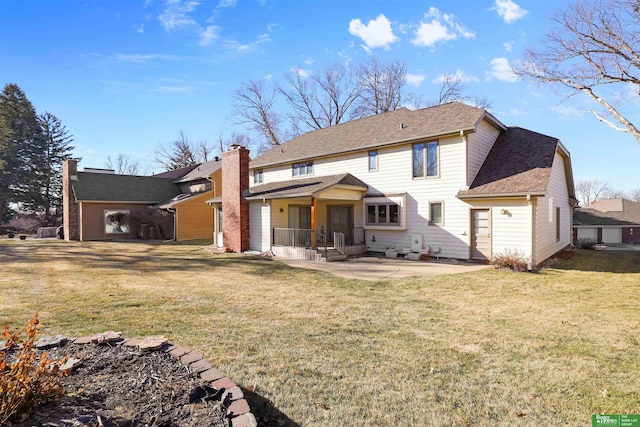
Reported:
(238, 410)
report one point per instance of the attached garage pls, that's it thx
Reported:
(588, 233)
(612, 235)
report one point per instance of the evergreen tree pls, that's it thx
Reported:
(19, 135)
(56, 149)
(32, 150)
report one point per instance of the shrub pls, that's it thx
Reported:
(23, 223)
(511, 260)
(159, 219)
(585, 243)
(29, 378)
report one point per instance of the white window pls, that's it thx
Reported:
(383, 214)
(436, 213)
(257, 176)
(301, 169)
(373, 160)
(425, 159)
(116, 221)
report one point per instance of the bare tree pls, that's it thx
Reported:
(181, 153)
(322, 99)
(595, 51)
(123, 165)
(224, 143)
(591, 190)
(381, 87)
(612, 193)
(635, 195)
(254, 104)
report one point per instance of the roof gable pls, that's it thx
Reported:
(519, 162)
(396, 126)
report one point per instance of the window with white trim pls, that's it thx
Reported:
(373, 160)
(425, 159)
(257, 176)
(436, 213)
(302, 169)
(383, 214)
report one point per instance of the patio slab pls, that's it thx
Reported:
(377, 268)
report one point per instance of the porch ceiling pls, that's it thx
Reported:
(321, 186)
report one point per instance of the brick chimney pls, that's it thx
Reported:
(69, 204)
(235, 209)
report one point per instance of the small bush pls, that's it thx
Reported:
(27, 380)
(585, 243)
(24, 224)
(511, 260)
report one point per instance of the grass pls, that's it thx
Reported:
(487, 348)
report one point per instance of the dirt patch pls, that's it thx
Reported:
(117, 386)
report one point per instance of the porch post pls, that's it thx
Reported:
(313, 222)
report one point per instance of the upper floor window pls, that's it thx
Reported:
(257, 176)
(373, 160)
(425, 159)
(300, 169)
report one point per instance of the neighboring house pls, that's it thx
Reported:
(98, 202)
(608, 221)
(450, 180)
(194, 218)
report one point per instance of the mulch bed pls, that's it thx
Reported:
(117, 386)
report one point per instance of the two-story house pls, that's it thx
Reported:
(451, 181)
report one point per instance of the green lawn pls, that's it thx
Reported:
(485, 348)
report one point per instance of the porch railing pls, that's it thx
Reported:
(295, 237)
(338, 242)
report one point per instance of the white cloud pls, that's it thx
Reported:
(567, 111)
(227, 3)
(509, 11)
(176, 14)
(439, 27)
(247, 47)
(142, 58)
(208, 35)
(458, 75)
(508, 46)
(501, 70)
(377, 32)
(139, 28)
(300, 72)
(415, 79)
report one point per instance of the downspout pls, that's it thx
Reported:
(531, 202)
(213, 183)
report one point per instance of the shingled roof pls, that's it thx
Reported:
(519, 163)
(609, 212)
(101, 187)
(306, 187)
(201, 171)
(396, 126)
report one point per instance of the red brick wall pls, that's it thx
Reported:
(235, 209)
(69, 205)
(629, 236)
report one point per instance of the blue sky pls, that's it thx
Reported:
(127, 75)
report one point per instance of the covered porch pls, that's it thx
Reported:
(312, 218)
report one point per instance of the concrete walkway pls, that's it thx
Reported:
(377, 268)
